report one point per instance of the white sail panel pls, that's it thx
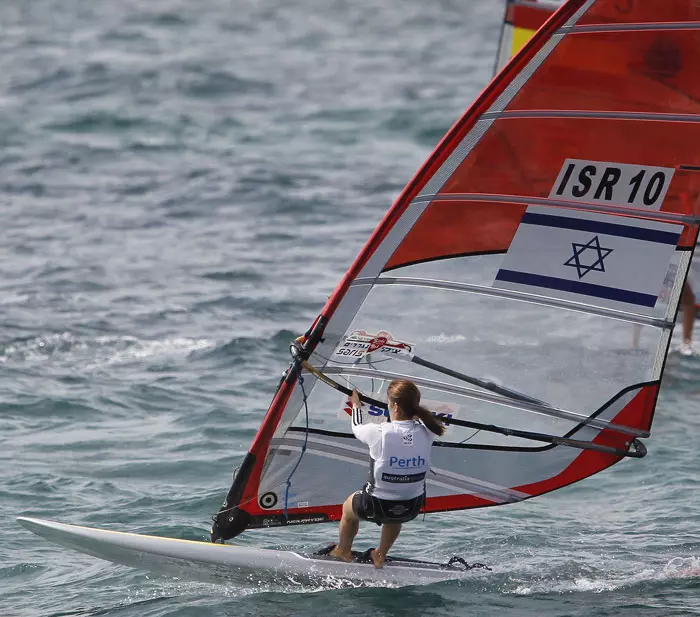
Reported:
(604, 260)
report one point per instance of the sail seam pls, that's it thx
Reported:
(462, 481)
(293, 440)
(637, 27)
(594, 115)
(545, 201)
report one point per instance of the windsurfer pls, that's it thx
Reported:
(400, 460)
(688, 304)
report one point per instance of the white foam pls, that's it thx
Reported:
(96, 352)
(677, 568)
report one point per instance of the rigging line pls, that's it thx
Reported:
(303, 448)
(474, 434)
(637, 448)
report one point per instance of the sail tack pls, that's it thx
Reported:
(541, 249)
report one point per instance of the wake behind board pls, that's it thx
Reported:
(219, 563)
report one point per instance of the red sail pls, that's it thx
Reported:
(533, 267)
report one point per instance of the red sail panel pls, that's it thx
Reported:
(631, 71)
(451, 228)
(639, 410)
(523, 156)
(528, 15)
(641, 11)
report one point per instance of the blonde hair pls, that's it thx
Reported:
(407, 395)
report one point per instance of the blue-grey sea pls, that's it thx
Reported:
(182, 184)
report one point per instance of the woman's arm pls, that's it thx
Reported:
(367, 433)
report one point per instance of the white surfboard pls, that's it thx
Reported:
(203, 561)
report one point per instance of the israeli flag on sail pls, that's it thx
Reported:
(603, 260)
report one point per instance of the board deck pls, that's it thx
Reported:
(203, 561)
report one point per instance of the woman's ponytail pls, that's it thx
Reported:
(431, 422)
(407, 395)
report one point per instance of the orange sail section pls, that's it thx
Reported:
(618, 89)
(454, 228)
(641, 11)
(627, 70)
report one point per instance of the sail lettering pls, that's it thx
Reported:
(378, 411)
(635, 183)
(565, 179)
(654, 188)
(612, 184)
(610, 178)
(584, 178)
(445, 417)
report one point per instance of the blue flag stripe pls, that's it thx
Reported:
(599, 227)
(586, 289)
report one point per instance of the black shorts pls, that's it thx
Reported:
(369, 508)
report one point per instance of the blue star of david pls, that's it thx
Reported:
(599, 255)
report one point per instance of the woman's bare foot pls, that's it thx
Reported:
(342, 556)
(377, 558)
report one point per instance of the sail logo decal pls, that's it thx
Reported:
(584, 253)
(612, 184)
(358, 344)
(600, 259)
(379, 415)
(375, 414)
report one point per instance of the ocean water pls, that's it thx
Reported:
(182, 185)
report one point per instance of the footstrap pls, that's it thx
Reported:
(365, 557)
(324, 551)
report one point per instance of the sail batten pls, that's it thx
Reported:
(544, 244)
(632, 27)
(439, 386)
(671, 217)
(585, 114)
(628, 317)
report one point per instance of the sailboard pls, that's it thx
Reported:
(217, 563)
(558, 210)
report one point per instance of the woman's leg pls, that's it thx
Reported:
(390, 531)
(349, 526)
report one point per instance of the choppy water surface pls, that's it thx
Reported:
(183, 184)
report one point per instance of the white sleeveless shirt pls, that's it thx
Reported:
(400, 454)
